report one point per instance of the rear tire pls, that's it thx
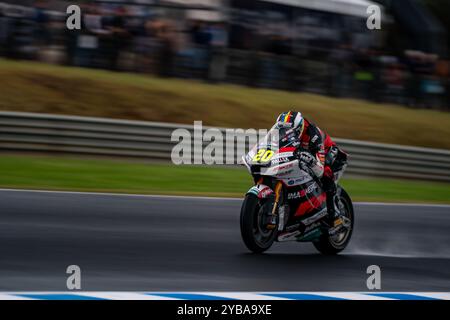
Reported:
(253, 234)
(325, 244)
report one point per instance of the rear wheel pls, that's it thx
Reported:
(333, 244)
(254, 220)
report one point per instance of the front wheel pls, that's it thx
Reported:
(254, 220)
(333, 244)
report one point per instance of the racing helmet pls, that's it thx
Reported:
(291, 120)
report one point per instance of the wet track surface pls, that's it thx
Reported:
(193, 244)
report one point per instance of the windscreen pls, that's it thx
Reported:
(278, 138)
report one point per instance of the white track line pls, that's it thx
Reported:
(243, 295)
(353, 296)
(118, 295)
(206, 198)
(9, 296)
(123, 296)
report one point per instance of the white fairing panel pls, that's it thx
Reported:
(290, 173)
(281, 165)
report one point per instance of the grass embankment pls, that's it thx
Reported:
(33, 87)
(61, 173)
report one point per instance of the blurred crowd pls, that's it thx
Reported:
(173, 44)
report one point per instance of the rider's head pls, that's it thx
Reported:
(291, 120)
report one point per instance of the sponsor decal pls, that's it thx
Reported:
(285, 154)
(315, 217)
(302, 193)
(296, 195)
(265, 192)
(286, 166)
(279, 160)
(260, 191)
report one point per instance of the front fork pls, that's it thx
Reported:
(273, 221)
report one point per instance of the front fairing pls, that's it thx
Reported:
(278, 143)
(274, 157)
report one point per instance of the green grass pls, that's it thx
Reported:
(62, 173)
(34, 87)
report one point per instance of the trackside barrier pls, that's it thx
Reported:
(47, 133)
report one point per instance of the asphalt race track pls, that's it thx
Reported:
(138, 243)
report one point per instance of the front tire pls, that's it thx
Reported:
(256, 237)
(326, 244)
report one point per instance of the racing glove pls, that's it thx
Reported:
(312, 162)
(307, 158)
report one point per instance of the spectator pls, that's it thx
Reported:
(201, 37)
(219, 59)
(116, 39)
(87, 41)
(4, 33)
(41, 19)
(165, 46)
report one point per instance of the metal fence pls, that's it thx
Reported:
(45, 133)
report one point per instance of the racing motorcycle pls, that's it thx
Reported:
(287, 202)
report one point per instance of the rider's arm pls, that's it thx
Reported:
(317, 149)
(317, 167)
(315, 156)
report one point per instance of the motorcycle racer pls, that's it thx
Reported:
(315, 148)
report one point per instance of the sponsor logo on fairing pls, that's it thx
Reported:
(302, 193)
(315, 217)
(286, 166)
(285, 154)
(265, 192)
(279, 160)
(260, 191)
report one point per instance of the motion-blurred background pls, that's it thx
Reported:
(229, 63)
(318, 46)
(94, 110)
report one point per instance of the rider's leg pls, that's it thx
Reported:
(330, 189)
(329, 184)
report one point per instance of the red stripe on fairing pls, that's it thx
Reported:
(312, 204)
(287, 149)
(264, 193)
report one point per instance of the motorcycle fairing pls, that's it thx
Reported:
(306, 199)
(304, 196)
(261, 191)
